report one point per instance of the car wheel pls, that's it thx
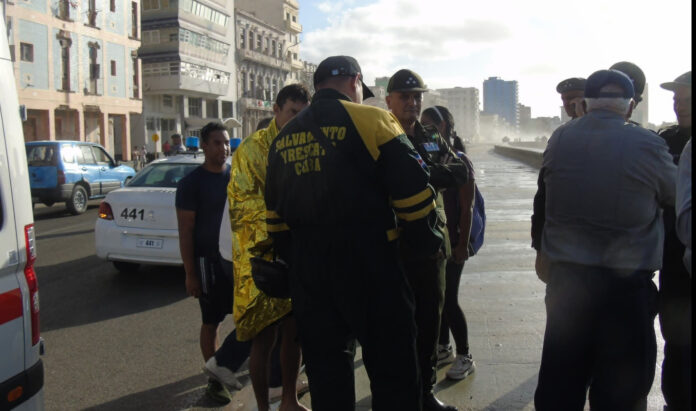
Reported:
(78, 201)
(125, 267)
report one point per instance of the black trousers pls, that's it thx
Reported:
(427, 280)
(452, 315)
(599, 335)
(348, 290)
(675, 323)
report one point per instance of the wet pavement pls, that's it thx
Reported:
(502, 299)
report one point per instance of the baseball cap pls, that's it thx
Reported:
(681, 81)
(571, 84)
(635, 74)
(602, 78)
(406, 80)
(340, 66)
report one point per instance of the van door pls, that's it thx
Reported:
(108, 174)
(11, 309)
(89, 168)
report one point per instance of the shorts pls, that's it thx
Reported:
(217, 289)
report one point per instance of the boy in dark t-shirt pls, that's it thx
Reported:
(200, 201)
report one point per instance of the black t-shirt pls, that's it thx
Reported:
(205, 193)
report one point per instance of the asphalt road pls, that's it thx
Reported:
(118, 341)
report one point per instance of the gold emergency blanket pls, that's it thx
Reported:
(252, 309)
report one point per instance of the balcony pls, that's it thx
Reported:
(293, 26)
(248, 103)
(264, 59)
(297, 65)
(173, 76)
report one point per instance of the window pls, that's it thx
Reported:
(151, 4)
(167, 101)
(242, 39)
(113, 67)
(87, 156)
(26, 52)
(94, 69)
(211, 108)
(150, 123)
(195, 105)
(258, 42)
(68, 153)
(227, 109)
(101, 156)
(134, 20)
(65, 63)
(151, 37)
(92, 13)
(294, 17)
(112, 6)
(273, 47)
(64, 9)
(136, 76)
(287, 16)
(168, 124)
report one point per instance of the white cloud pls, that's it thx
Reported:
(537, 42)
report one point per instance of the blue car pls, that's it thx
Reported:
(74, 172)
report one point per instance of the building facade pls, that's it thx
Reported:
(463, 103)
(501, 97)
(267, 57)
(188, 68)
(77, 69)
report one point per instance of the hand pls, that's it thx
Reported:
(460, 253)
(193, 286)
(542, 266)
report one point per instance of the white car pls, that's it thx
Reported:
(137, 224)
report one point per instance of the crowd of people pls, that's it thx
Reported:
(371, 211)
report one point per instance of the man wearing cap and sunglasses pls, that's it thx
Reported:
(340, 176)
(606, 180)
(426, 273)
(675, 280)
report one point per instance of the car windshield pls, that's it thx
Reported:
(42, 155)
(162, 175)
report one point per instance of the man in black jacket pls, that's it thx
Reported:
(426, 273)
(340, 177)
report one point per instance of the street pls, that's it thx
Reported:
(130, 341)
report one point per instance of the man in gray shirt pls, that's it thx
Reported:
(606, 181)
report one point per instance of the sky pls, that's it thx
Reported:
(536, 42)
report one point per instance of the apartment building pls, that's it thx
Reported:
(188, 65)
(77, 69)
(463, 103)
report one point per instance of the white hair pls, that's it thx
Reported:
(616, 104)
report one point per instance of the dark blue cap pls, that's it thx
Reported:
(235, 142)
(602, 78)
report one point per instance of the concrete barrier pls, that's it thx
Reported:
(531, 156)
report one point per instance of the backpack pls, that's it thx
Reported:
(478, 223)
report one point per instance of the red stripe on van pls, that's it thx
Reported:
(10, 305)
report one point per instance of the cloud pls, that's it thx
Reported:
(537, 42)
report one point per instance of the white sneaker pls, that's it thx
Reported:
(222, 374)
(276, 393)
(444, 354)
(463, 366)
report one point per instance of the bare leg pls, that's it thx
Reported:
(290, 358)
(209, 340)
(259, 363)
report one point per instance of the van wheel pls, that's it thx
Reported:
(78, 201)
(124, 267)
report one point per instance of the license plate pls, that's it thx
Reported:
(149, 243)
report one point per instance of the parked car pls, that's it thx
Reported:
(74, 172)
(21, 346)
(137, 224)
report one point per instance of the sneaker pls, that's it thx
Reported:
(463, 366)
(222, 374)
(444, 354)
(217, 392)
(276, 393)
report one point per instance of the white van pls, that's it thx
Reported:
(21, 368)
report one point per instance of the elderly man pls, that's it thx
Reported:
(675, 281)
(605, 180)
(572, 91)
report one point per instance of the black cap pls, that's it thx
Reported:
(682, 81)
(340, 66)
(571, 84)
(406, 80)
(602, 78)
(635, 74)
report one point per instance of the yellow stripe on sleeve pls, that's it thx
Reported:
(375, 125)
(270, 214)
(415, 215)
(413, 200)
(275, 228)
